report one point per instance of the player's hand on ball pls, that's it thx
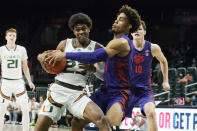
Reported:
(41, 57)
(48, 51)
(54, 56)
(166, 86)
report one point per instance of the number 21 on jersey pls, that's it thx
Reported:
(12, 63)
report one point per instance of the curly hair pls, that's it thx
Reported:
(79, 18)
(132, 15)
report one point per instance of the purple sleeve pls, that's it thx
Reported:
(88, 57)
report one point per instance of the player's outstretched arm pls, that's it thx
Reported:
(116, 46)
(156, 51)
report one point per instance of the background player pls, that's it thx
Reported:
(13, 60)
(140, 74)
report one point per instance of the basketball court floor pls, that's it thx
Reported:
(12, 127)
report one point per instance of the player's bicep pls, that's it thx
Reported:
(61, 45)
(156, 51)
(115, 47)
(111, 52)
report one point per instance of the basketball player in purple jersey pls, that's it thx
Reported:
(140, 74)
(113, 96)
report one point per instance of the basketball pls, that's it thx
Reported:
(58, 68)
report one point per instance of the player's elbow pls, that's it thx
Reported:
(164, 62)
(110, 52)
(39, 57)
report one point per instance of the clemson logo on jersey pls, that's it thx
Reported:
(138, 58)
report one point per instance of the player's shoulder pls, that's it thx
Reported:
(119, 41)
(154, 46)
(62, 44)
(65, 41)
(155, 49)
(123, 41)
(2, 47)
(20, 47)
(98, 45)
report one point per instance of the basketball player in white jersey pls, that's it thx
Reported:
(13, 59)
(67, 90)
(142, 123)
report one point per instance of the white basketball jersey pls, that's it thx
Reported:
(11, 61)
(144, 127)
(72, 74)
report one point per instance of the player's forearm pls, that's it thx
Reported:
(88, 57)
(27, 73)
(164, 69)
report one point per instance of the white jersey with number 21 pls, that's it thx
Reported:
(11, 61)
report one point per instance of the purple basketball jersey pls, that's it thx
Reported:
(116, 70)
(140, 66)
(116, 88)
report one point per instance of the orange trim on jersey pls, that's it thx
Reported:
(4, 96)
(20, 94)
(53, 102)
(79, 97)
(124, 101)
(43, 109)
(80, 88)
